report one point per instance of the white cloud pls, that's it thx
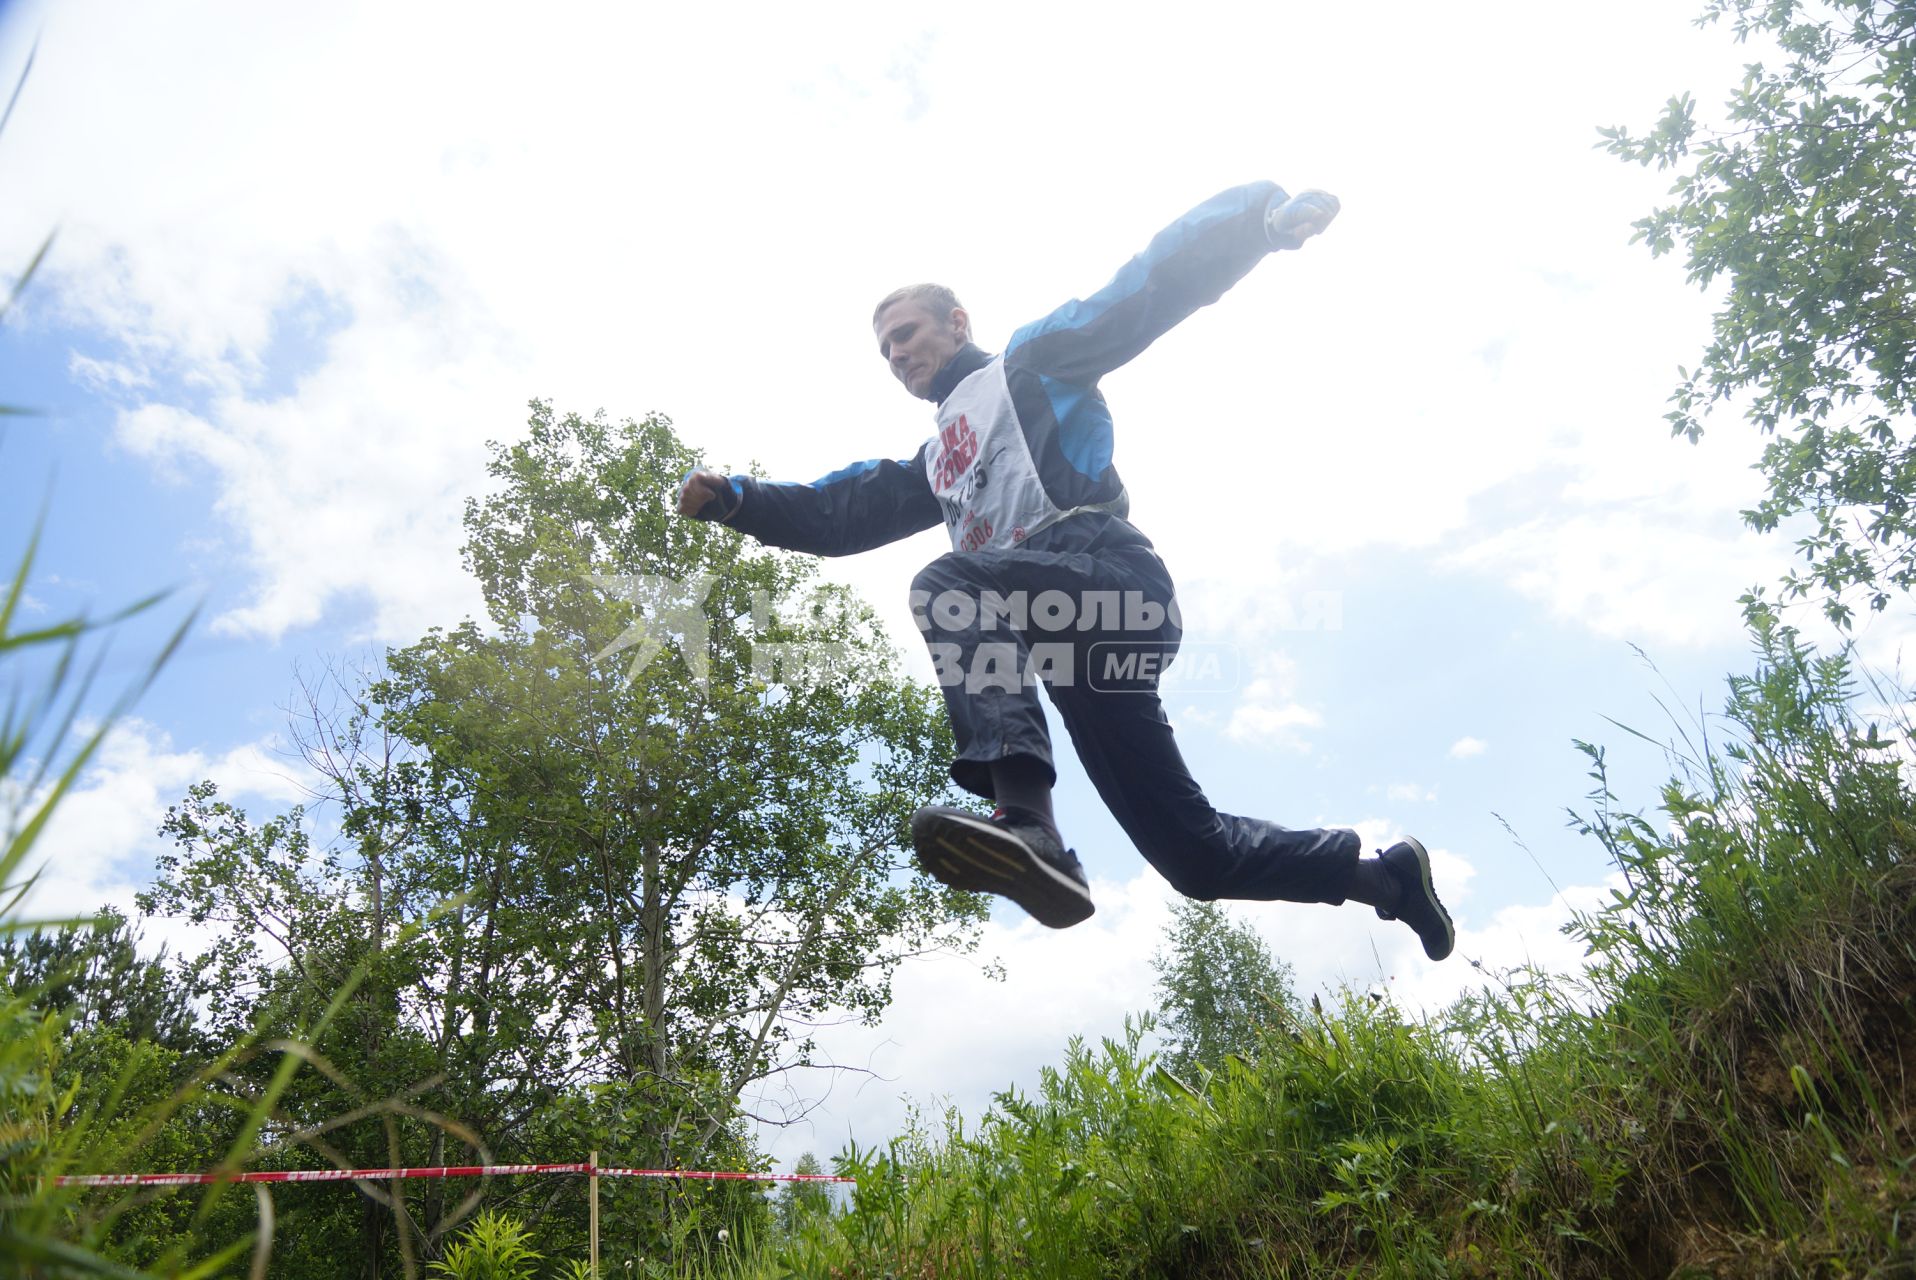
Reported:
(1192, 714)
(98, 850)
(1465, 747)
(1409, 793)
(1518, 935)
(1266, 713)
(1271, 723)
(1648, 573)
(336, 493)
(107, 375)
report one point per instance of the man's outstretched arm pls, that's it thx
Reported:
(1187, 265)
(865, 505)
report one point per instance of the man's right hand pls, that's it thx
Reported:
(704, 486)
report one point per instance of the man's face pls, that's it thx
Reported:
(916, 342)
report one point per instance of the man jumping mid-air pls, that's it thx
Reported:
(1048, 582)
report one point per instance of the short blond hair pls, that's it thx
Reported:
(940, 300)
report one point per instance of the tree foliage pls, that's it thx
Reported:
(799, 1202)
(1803, 208)
(94, 976)
(1218, 984)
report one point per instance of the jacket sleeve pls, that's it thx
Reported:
(865, 505)
(1187, 265)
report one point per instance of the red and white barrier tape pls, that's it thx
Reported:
(444, 1171)
(722, 1175)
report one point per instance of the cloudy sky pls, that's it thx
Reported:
(1416, 477)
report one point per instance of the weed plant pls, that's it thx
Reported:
(1724, 1090)
(101, 1102)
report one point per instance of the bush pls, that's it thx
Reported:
(494, 1247)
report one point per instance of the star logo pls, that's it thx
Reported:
(669, 610)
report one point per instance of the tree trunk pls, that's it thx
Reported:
(373, 1217)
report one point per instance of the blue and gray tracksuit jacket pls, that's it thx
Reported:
(1022, 454)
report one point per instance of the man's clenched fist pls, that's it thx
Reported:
(702, 487)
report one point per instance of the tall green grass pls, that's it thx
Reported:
(121, 1106)
(1725, 1091)
(48, 1120)
(102, 1103)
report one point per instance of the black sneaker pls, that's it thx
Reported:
(1417, 904)
(1021, 857)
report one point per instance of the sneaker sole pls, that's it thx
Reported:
(1430, 897)
(978, 856)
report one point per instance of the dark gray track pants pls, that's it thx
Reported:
(992, 654)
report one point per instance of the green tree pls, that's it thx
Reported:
(703, 846)
(798, 1202)
(94, 976)
(457, 1003)
(1218, 984)
(1802, 206)
(299, 922)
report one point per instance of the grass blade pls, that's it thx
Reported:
(19, 286)
(20, 84)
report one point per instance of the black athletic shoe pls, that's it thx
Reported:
(1417, 904)
(1021, 858)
